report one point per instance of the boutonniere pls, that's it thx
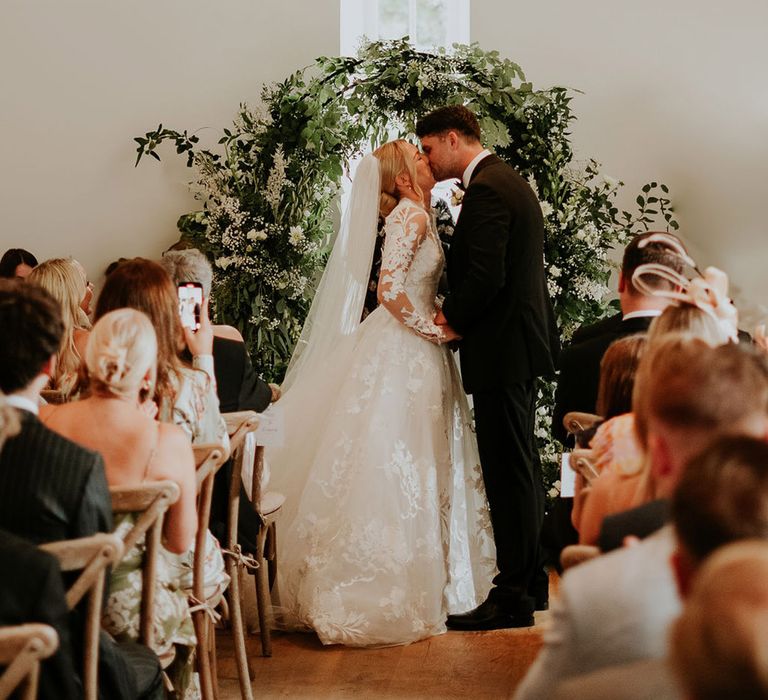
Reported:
(457, 196)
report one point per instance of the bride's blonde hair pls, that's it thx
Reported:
(121, 349)
(394, 160)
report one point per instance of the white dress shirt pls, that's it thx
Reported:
(22, 402)
(465, 178)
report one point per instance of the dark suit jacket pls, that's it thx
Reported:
(53, 489)
(580, 366)
(498, 300)
(238, 386)
(641, 521)
(31, 590)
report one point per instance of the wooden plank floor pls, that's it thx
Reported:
(452, 665)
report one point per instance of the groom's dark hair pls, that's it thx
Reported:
(450, 118)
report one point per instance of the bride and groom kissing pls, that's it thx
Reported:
(401, 516)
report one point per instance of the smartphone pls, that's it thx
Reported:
(190, 304)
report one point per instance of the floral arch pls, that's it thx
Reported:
(268, 196)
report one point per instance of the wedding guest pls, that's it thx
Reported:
(50, 487)
(722, 498)
(121, 366)
(17, 262)
(615, 609)
(239, 387)
(185, 392)
(579, 362)
(623, 482)
(718, 643)
(613, 444)
(64, 281)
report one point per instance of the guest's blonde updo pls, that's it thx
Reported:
(394, 160)
(121, 349)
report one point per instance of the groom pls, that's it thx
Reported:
(500, 307)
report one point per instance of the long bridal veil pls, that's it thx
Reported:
(317, 363)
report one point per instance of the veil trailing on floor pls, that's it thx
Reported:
(317, 364)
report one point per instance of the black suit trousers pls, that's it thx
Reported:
(504, 419)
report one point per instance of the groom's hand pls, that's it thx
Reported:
(440, 319)
(449, 335)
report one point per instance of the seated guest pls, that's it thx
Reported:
(718, 643)
(722, 498)
(579, 362)
(65, 282)
(17, 262)
(614, 445)
(185, 394)
(239, 387)
(32, 590)
(51, 488)
(623, 482)
(615, 609)
(121, 360)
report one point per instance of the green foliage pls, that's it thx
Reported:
(267, 195)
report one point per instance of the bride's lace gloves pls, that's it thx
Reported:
(404, 235)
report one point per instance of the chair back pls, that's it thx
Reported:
(576, 421)
(583, 463)
(149, 502)
(91, 556)
(22, 648)
(208, 460)
(239, 425)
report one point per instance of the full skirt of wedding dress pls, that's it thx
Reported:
(386, 529)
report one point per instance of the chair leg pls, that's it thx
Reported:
(202, 628)
(214, 661)
(270, 553)
(263, 599)
(238, 631)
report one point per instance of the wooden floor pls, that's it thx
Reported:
(452, 665)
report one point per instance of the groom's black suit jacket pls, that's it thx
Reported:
(498, 300)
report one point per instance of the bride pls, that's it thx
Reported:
(387, 527)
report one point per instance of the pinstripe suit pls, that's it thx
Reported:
(53, 489)
(50, 487)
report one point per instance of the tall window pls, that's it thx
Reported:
(429, 23)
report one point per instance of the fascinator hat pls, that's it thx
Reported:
(708, 291)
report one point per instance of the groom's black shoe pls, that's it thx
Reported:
(488, 616)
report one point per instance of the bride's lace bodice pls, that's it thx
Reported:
(412, 261)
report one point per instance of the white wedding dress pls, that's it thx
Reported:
(391, 530)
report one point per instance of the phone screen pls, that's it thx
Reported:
(190, 304)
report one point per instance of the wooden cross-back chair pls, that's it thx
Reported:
(267, 506)
(576, 422)
(22, 648)
(91, 556)
(239, 425)
(208, 460)
(149, 502)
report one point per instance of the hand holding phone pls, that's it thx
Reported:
(190, 304)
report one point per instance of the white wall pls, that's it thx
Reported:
(81, 78)
(674, 91)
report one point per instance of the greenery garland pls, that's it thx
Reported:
(268, 195)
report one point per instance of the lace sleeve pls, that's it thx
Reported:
(404, 234)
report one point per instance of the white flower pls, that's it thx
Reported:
(612, 183)
(457, 196)
(295, 235)
(223, 262)
(555, 271)
(546, 208)
(581, 235)
(254, 235)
